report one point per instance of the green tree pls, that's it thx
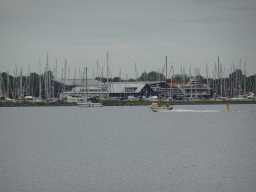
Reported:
(116, 79)
(151, 76)
(143, 77)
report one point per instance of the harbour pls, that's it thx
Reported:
(152, 86)
(128, 96)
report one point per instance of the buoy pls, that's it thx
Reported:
(228, 107)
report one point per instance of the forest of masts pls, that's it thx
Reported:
(230, 83)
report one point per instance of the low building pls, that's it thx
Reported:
(77, 88)
(125, 90)
(132, 90)
(193, 89)
(85, 92)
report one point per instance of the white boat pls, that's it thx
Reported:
(152, 98)
(90, 104)
(157, 107)
(28, 98)
(71, 99)
(7, 99)
(52, 100)
(250, 96)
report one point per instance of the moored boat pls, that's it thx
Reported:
(90, 104)
(157, 107)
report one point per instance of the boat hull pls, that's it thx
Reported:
(161, 109)
(90, 104)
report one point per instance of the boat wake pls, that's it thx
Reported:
(245, 111)
(200, 111)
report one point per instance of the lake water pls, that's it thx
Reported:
(128, 148)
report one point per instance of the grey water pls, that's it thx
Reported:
(128, 148)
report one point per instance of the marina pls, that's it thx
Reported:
(128, 96)
(152, 86)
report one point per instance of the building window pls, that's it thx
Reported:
(130, 89)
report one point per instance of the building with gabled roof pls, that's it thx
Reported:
(76, 87)
(193, 89)
(108, 90)
(123, 90)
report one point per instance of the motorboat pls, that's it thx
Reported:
(157, 107)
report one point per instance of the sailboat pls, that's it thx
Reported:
(89, 103)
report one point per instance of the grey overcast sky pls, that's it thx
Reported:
(190, 33)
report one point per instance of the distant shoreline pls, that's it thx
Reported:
(127, 103)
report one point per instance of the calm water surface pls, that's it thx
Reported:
(191, 148)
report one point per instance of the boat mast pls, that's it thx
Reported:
(16, 80)
(29, 79)
(240, 77)
(21, 82)
(107, 74)
(86, 84)
(56, 74)
(33, 91)
(190, 82)
(166, 69)
(20, 92)
(46, 80)
(65, 70)
(75, 82)
(40, 86)
(69, 72)
(221, 80)
(135, 73)
(7, 89)
(80, 78)
(107, 66)
(231, 81)
(218, 75)
(207, 74)
(83, 83)
(13, 87)
(244, 78)
(0, 83)
(98, 87)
